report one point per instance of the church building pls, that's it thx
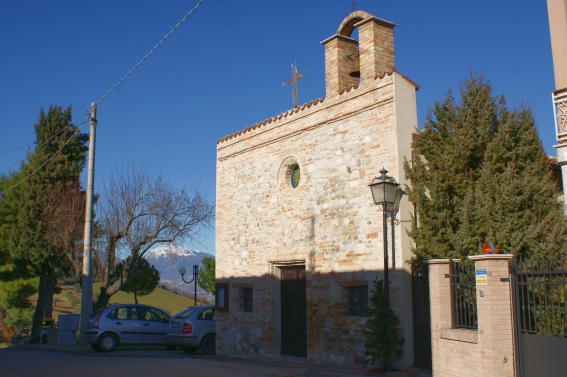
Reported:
(299, 239)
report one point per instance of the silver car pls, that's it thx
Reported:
(127, 324)
(194, 328)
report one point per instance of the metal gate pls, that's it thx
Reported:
(540, 300)
(421, 316)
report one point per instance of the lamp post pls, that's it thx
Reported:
(386, 193)
(392, 212)
(182, 271)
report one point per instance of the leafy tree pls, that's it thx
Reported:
(53, 166)
(139, 211)
(14, 293)
(207, 275)
(382, 340)
(16, 282)
(480, 174)
(142, 279)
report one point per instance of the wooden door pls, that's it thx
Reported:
(294, 312)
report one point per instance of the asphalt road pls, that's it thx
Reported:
(46, 362)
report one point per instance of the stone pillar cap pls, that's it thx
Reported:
(491, 256)
(439, 261)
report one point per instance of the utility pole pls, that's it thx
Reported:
(87, 278)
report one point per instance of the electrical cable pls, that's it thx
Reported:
(41, 145)
(45, 163)
(107, 93)
(149, 53)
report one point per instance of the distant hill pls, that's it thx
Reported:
(169, 259)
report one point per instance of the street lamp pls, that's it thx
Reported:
(392, 212)
(182, 271)
(386, 193)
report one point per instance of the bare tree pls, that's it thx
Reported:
(139, 211)
(63, 215)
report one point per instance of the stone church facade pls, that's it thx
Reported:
(298, 237)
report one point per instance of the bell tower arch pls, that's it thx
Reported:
(376, 46)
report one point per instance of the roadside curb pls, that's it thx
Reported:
(283, 362)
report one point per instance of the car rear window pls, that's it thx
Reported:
(99, 311)
(185, 313)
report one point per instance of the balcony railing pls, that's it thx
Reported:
(560, 114)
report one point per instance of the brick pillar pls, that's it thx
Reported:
(440, 309)
(337, 64)
(494, 307)
(376, 39)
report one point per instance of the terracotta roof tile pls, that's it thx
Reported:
(272, 119)
(306, 106)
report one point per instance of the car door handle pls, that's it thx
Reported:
(118, 323)
(146, 324)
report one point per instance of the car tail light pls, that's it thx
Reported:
(187, 328)
(95, 323)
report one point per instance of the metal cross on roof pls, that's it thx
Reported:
(293, 80)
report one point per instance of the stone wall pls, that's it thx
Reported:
(328, 223)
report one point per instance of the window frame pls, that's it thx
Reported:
(358, 303)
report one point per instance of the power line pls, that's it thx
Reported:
(41, 145)
(38, 169)
(58, 132)
(149, 53)
(106, 94)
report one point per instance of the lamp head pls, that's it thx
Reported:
(384, 189)
(182, 271)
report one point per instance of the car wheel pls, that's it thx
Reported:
(190, 349)
(95, 347)
(171, 347)
(208, 345)
(107, 342)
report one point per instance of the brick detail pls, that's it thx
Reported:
(376, 41)
(338, 65)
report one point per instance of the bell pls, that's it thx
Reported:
(355, 70)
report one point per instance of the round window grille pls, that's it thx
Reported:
(289, 176)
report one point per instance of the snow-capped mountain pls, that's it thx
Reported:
(169, 259)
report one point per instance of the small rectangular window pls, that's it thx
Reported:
(221, 297)
(358, 301)
(247, 299)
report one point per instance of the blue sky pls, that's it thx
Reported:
(222, 70)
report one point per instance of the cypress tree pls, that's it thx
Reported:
(53, 166)
(480, 174)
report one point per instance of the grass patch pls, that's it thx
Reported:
(168, 301)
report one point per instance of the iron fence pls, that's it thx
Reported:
(541, 291)
(463, 295)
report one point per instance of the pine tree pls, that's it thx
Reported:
(53, 166)
(480, 174)
(17, 282)
(383, 343)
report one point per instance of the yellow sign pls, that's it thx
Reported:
(481, 277)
